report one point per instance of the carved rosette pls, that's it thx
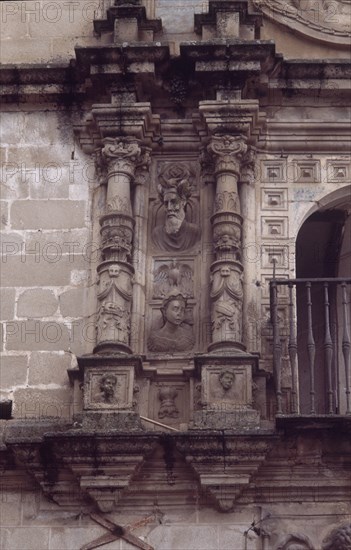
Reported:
(119, 158)
(228, 153)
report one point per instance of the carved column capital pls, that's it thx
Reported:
(228, 152)
(121, 154)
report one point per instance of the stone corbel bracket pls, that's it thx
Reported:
(225, 465)
(78, 469)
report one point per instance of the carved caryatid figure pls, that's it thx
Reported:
(174, 193)
(176, 335)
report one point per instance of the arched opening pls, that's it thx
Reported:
(312, 340)
(322, 252)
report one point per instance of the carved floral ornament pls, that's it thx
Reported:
(325, 21)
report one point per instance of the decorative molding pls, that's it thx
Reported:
(327, 22)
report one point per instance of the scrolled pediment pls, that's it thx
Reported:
(323, 20)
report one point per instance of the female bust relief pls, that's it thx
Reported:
(175, 335)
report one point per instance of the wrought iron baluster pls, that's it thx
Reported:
(277, 348)
(311, 347)
(346, 346)
(328, 349)
(292, 348)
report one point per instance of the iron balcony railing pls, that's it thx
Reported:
(311, 340)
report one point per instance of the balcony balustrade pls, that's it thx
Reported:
(311, 342)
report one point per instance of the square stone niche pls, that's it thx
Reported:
(110, 388)
(226, 393)
(169, 401)
(226, 387)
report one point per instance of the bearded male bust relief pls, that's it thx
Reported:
(176, 334)
(176, 233)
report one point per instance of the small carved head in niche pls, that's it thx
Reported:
(107, 385)
(338, 539)
(114, 270)
(226, 379)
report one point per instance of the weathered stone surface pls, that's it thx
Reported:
(7, 303)
(11, 243)
(47, 214)
(32, 403)
(73, 303)
(4, 214)
(25, 537)
(48, 368)
(74, 241)
(13, 371)
(37, 303)
(40, 269)
(70, 537)
(184, 537)
(10, 510)
(37, 335)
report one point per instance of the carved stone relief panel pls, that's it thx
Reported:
(226, 386)
(171, 275)
(169, 401)
(171, 327)
(175, 213)
(109, 389)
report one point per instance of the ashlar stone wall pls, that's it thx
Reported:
(46, 197)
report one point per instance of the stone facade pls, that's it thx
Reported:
(175, 319)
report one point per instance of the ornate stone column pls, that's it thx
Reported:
(120, 156)
(227, 152)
